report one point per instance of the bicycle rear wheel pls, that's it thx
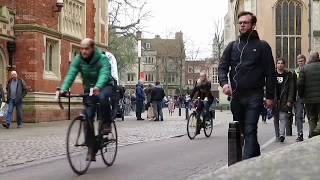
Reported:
(192, 126)
(76, 147)
(208, 126)
(109, 146)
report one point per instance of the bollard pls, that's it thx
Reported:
(234, 143)
(187, 113)
(69, 106)
(180, 110)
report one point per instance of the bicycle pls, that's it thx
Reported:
(196, 123)
(76, 145)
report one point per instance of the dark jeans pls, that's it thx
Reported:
(313, 112)
(246, 110)
(157, 109)
(12, 105)
(139, 109)
(104, 114)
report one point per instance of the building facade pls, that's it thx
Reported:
(162, 60)
(291, 27)
(39, 41)
(193, 69)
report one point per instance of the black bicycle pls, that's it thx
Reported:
(77, 149)
(196, 121)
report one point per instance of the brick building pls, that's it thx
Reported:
(192, 74)
(40, 42)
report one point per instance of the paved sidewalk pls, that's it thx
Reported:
(42, 141)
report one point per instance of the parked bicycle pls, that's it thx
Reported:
(199, 119)
(76, 145)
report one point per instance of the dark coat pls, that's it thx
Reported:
(2, 98)
(21, 90)
(288, 92)
(157, 94)
(203, 90)
(309, 83)
(140, 95)
(251, 69)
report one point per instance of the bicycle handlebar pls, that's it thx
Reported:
(59, 95)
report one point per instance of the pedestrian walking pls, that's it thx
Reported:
(157, 96)
(16, 91)
(285, 98)
(308, 90)
(140, 97)
(252, 68)
(299, 105)
(171, 106)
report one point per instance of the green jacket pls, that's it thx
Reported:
(309, 83)
(96, 73)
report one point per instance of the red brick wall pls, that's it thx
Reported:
(91, 10)
(8, 3)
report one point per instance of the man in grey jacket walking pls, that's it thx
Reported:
(16, 91)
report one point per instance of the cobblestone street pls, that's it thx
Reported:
(42, 141)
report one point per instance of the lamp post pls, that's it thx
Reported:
(139, 58)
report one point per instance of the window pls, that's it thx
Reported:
(215, 75)
(49, 56)
(148, 45)
(190, 69)
(197, 69)
(288, 31)
(172, 77)
(190, 81)
(149, 77)
(75, 51)
(52, 59)
(149, 60)
(130, 77)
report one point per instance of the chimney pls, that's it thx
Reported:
(138, 34)
(179, 36)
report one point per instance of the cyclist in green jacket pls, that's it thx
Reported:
(95, 71)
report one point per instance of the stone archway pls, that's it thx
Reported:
(3, 74)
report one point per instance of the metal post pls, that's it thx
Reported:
(234, 143)
(139, 67)
(187, 110)
(69, 106)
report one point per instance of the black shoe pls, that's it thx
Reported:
(299, 138)
(140, 119)
(282, 138)
(91, 156)
(156, 120)
(6, 125)
(161, 119)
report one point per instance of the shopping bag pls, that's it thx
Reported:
(3, 109)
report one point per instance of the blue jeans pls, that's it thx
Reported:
(104, 113)
(157, 109)
(246, 110)
(12, 105)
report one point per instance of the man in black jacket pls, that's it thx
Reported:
(157, 95)
(285, 98)
(252, 68)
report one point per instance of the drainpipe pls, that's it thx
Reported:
(310, 26)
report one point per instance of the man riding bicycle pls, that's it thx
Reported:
(95, 71)
(203, 90)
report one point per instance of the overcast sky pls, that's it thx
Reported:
(195, 18)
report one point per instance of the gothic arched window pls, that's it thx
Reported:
(288, 31)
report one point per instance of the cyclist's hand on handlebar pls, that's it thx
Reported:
(96, 91)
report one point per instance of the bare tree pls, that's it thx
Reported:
(218, 40)
(125, 16)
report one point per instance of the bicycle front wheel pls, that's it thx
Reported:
(192, 126)
(77, 149)
(109, 145)
(208, 126)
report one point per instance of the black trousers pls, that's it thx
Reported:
(139, 109)
(246, 110)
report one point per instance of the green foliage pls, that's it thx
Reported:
(124, 50)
